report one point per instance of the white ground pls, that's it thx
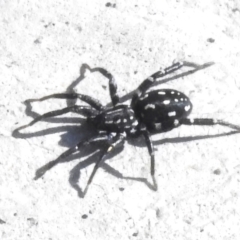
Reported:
(42, 46)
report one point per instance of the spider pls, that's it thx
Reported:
(149, 112)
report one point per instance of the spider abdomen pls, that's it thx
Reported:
(161, 110)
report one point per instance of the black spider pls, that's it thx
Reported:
(149, 113)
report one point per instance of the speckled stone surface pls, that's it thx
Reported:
(43, 45)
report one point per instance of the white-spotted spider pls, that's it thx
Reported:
(149, 113)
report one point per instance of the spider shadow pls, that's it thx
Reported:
(73, 134)
(80, 120)
(75, 173)
(129, 95)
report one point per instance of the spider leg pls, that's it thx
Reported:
(112, 84)
(117, 141)
(85, 98)
(151, 152)
(86, 111)
(102, 137)
(147, 83)
(208, 121)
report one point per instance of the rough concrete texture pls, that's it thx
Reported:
(43, 45)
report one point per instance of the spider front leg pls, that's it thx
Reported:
(85, 98)
(86, 111)
(112, 84)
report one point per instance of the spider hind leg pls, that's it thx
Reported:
(208, 122)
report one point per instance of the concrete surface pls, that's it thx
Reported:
(42, 47)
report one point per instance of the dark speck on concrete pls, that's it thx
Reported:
(158, 213)
(108, 4)
(211, 40)
(135, 234)
(49, 24)
(217, 171)
(32, 221)
(79, 28)
(236, 10)
(2, 222)
(37, 41)
(84, 216)
(121, 189)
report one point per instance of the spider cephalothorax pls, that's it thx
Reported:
(149, 112)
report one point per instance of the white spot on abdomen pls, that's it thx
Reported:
(187, 108)
(133, 130)
(109, 121)
(166, 102)
(152, 106)
(118, 121)
(113, 134)
(161, 93)
(172, 114)
(176, 122)
(135, 123)
(158, 126)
